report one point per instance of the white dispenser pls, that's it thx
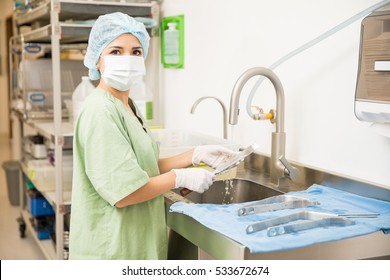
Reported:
(372, 100)
(171, 40)
(79, 95)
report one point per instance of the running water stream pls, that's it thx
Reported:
(229, 181)
(228, 190)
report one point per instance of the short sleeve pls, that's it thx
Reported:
(110, 162)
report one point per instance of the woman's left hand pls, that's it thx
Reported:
(212, 155)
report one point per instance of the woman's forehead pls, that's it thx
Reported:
(123, 40)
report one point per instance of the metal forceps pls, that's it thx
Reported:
(280, 225)
(275, 203)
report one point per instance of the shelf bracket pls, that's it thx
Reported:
(58, 140)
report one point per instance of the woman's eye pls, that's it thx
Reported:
(137, 52)
(115, 52)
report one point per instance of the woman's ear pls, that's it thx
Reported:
(99, 65)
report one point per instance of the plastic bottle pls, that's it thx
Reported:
(143, 98)
(79, 95)
(171, 44)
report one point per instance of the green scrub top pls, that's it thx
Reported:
(113, 156)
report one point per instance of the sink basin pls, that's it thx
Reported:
(232, 191)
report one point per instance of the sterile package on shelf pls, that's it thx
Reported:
(42, 174)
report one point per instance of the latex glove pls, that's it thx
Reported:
(195, 179)
(212, 155)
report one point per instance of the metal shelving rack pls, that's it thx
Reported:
(57, 31)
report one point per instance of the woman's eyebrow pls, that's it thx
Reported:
(119, 47)
(115, 47)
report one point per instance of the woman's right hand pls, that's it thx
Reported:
(195, 179)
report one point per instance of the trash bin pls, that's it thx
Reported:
(12, 172)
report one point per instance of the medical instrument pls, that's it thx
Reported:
(279, 202)
(229, 164)
(310, 219)
(235, 160)
(325, 222)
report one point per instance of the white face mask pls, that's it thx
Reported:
(122, 72)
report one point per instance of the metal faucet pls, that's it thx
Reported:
(223, 111)
(279, 165)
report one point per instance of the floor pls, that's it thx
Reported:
(12, 247)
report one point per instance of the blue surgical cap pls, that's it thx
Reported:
(106, 29)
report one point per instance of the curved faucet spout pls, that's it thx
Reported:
(225, 136)
(235, 97)
(279, 166)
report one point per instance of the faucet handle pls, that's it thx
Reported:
(290, 171)
(260, 115)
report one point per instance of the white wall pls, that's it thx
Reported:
(224, 38)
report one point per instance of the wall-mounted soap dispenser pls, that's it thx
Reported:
(172, 42)
(372, 100)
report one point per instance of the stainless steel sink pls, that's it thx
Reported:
(183, 229)
(232, 191)
(189, 239)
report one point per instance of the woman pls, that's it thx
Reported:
(118, 179)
